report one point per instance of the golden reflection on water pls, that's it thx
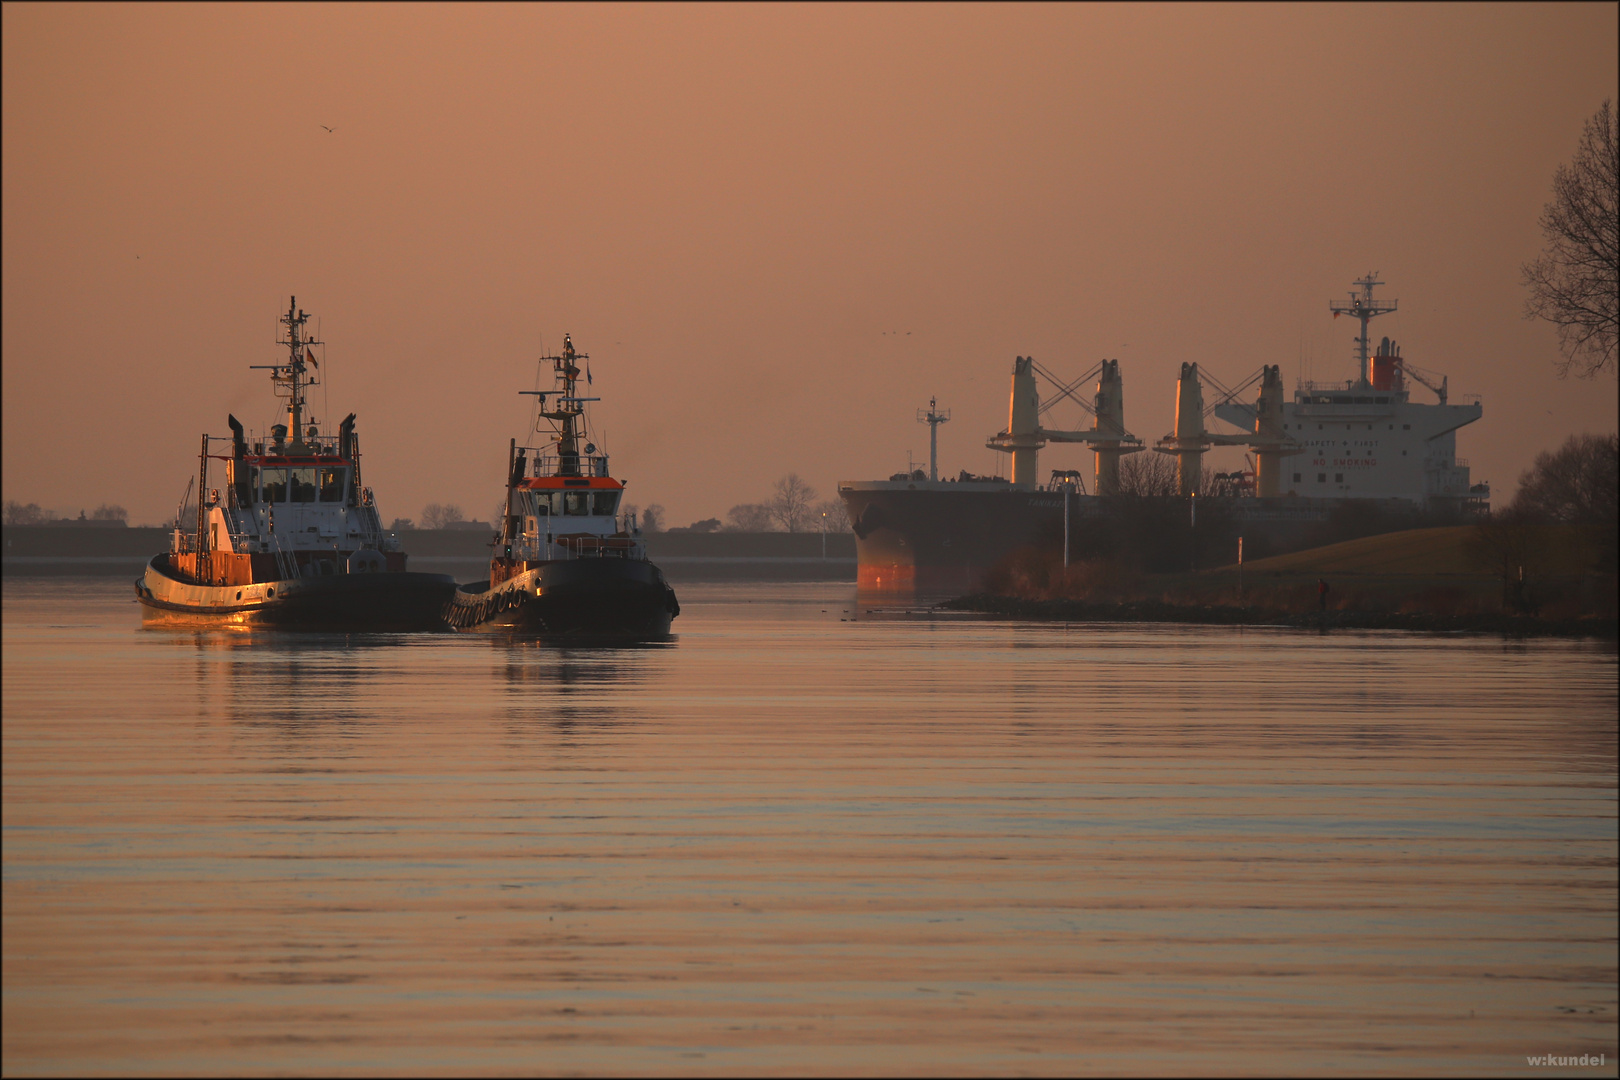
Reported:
(791, 843)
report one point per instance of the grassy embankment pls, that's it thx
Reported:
(1420, 579)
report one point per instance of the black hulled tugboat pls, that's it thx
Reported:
(291, 539)
(567, 563)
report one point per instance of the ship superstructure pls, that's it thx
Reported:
(1366, 438)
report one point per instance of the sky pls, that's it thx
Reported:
(777, 230)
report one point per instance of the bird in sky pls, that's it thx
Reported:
(329, 130)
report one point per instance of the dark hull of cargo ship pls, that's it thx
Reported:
(389, 602)
(927, 540)
(584, 599)
(946, 538)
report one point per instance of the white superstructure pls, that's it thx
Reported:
(1365, 438)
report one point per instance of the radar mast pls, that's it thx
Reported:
(1364, 308)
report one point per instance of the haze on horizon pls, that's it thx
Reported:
(777, 230)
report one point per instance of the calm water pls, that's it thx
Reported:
(792, 843)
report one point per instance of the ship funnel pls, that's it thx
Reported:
(346, 437)
(236, 469)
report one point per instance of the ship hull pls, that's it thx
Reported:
(389, 602)
(583, 599)
(947, 539)
(926, 540)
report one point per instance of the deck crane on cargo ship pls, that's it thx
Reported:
(1191, 438)
(1024, 436)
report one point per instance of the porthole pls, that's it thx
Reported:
(239, 594)
(269, 592)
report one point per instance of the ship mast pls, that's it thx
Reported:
(1364, 308)
(933, 418)
(569, 411)
(291, 374)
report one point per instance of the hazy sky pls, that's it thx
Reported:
(729, 206)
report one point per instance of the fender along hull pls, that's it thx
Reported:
(607, 599)
(350, 603)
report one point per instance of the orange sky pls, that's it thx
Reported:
(728, 207)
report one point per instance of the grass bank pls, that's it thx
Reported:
(1434, 579)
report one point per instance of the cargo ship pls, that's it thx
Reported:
(1362, 440)
(292, 538)
(567, 563)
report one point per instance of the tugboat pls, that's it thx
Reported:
(293, 539)
(566, 563)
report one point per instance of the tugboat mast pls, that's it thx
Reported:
(570, 408)
(291, 374)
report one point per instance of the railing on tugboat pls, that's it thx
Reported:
(554, 464)
(578, 546)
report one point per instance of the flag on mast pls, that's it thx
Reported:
(310, 358)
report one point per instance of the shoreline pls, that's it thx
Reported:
(1154, 611)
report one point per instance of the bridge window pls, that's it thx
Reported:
(332, 485)
(537, 503)
(606, 503)
(275, 485)
(1321, 478)
(301, 485)
(576, 503)
(1296, 478)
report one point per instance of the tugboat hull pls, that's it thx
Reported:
(621, 599)
(355, 603)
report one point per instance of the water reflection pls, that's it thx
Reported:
(892, 843)
(564, 692)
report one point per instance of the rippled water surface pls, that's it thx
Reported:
(799, 841)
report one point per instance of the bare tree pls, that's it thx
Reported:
(749, 517)
(1576, 484)
(790, 506)
(1575, 282)
(652, 519)
(105, 512)
(1148, 474)
(440, 516)
(19, 514)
